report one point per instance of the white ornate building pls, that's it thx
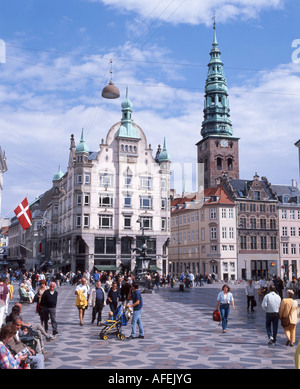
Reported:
(107, 198)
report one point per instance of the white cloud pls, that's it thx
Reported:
(194, 11)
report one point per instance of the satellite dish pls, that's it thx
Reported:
(110, 91)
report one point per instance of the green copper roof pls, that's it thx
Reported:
(82, 147)
(58, 175)
(127, 129)
(164, 155)
(216, 107)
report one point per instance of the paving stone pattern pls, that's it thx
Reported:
(179, 334)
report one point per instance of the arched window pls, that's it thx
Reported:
(229, 164)
(219, 163)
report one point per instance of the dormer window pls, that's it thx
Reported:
(285, 199)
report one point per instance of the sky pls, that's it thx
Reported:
(57, 61)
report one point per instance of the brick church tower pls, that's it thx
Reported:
(217, 151)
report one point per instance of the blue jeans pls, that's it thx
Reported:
(224, 311)
(137, 320)
(272, 318)
(37, 361)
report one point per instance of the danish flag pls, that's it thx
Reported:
(23, 214)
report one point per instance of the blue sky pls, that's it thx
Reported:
(57, 62)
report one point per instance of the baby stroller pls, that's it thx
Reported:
(114, 326)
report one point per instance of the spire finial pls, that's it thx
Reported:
(214, 20)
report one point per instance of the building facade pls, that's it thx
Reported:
(289, 228)
(203, 234)
(108, 200)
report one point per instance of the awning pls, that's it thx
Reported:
(154, 268)
(106, 267)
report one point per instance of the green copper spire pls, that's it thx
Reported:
(164, 156)
(82, 147)
(127, 129)
(58, 175)
(216, 106)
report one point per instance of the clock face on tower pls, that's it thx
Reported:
(224, 143)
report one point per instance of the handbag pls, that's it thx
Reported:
(285, 321)
(254, 303)
(216, 315)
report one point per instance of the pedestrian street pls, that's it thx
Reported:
(179, 334)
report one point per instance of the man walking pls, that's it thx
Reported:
(48, 306)
(271, 305)
(97, 301)
(137, 304)
(250, 293)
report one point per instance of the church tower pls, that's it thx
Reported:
(218, 149)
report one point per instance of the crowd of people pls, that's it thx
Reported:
(277, 308)
(22, 344)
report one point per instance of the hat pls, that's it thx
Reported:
(289, 291)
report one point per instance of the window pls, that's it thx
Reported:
(229, 164)
(230, 213)
(145, 202)
(106, 200)
(293, 231)
(273, 242)
(243, 222)
(283, 214)
(79, 199)
(87, 178)
(213, 233)
(224, 213)
(163, 203)
(285, 248)
(224, 232)
(252, 223)
(213, 213)
(106, 179)
(242, 207)
(105, 221)
(86, 221)
(262, 224)
(213, 248)
(292, 215)
(163, 184)
(219, 163)
(146, 222)
(127, 200)
(79, 179)
(78, 221)
(293, 248)
(262, 207)
(231, 232)
(86, 199)
(128, 180)
(202, 233)
(163, 224)
(256, 195)
(272, 224)
(252, 207)
(284, 231)
(127, 222)
(263, 242)
(146, 183)
(253, 242)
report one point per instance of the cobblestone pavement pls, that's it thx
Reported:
(179, 334)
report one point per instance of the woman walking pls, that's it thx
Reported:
(223, 300)
(288, 315)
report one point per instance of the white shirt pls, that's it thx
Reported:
(271, 303)
(250, 290)
(84, 288)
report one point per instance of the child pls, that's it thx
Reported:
(110, 317)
